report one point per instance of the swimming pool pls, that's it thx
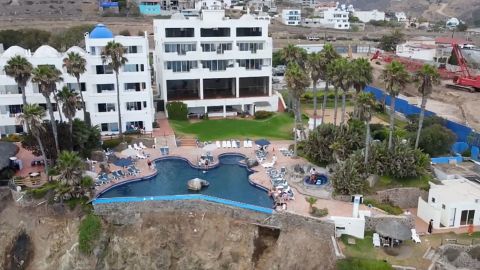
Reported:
(228, 180)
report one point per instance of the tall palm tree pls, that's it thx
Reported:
(426, 78)
(341, 76)
(362, 76)
(19, 68)
(32, 116)
(70, 166)
(328, 55)
(297, 80)
(76, 66)
(47, 76)
(396, 78)
(113, 56)
(315, 67)
(71, 102)
(365, 102)
(292, 53)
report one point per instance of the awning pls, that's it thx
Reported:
(262, 103)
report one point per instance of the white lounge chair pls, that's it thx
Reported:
(268, 164)
(376, 240)
(250, 144)
(245, 144)
(130, 146)
(224, 144)
(136, 147)
(218, 144)
(141, 156)
(229, 144)
(415, 236)
(234, 144)
(142, 145)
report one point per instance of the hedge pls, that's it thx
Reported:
(89, 231)
(263, 114)
(177, 110)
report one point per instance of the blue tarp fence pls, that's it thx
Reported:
(402, 106)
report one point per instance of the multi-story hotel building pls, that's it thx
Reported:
(215, 64)
(97, 84)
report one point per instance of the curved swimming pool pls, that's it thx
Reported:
(228, 180)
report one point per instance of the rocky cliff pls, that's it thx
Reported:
(198, 237)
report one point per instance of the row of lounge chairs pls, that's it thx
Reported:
(286, 152)
(261, 155)
(138, 147)
(234, 144)
(279, 183)
(105, 178)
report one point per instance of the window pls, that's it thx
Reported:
(251, 63)
(180, 66)
(443, 206)
(250, 46)
(103, 69)
(215, 32)
(216, 47)
(133, 49)
(74, 86)
(249, 31)
(134, 87)
(433, 200)
(134, 106)
(134, 125)
(105, 87)
(109, 127)
(133, 67)
(216, 65)
(106, 107)
(180, 48)
(179, 32)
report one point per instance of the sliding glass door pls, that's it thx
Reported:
(467, 217)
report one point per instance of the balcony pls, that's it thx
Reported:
(254, 86)
(9, 90)
(183, 89)
(219, 88)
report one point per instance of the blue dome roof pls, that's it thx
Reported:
(101, 31)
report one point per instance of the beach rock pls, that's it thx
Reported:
(251, 162)
(196, 184)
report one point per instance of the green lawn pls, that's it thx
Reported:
(362, 264)
(277, 127)
(386, 182)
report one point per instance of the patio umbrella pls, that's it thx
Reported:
(209, 147)
(123, 162)
(129, 152)
(262, 142)
(394, 229)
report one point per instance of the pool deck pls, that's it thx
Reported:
(260, 177)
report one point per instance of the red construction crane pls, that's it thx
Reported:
(465, 80)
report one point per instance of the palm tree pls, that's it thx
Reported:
(426, 77)
(362, 76)
(292, 53)
(311, 201)
(20, 69)
(328, 55)
(341, 75)
(297, 80)
(113, 55)
(76, 66)
(70, 104)
(315, 68)
(70, 166)
(365, 102)
(47, 76)
(395, 77)
(32, 116)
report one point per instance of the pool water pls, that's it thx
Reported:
(228, 181)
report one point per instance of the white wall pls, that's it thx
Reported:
(427, 212)
(353, 226)
(415, 52)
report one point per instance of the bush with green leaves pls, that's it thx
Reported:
(349, 176)
(329, 143)
(435, 140)
(319, 212)
(177, 110)
(362, 264)
(263, 115)
(88, 232)
(385, 206)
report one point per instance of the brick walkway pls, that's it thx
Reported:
(164, 128)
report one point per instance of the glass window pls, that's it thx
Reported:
(105, 87)
(134, 106)
(179, 32)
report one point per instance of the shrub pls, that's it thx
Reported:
(319, 212)
(263, 114)
(112, 143)
(177, 110)
(362, 264)
(435, 140)
(385, 206)
(40, 192)
(155, 124)
(13, 138)
(86, 181)
(89, 230)
(124, 32)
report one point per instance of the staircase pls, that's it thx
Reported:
(188, 142)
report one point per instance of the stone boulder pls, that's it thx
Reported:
(99, 156)
(251, 162)
(196, 184)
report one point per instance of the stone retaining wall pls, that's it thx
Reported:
(130, 213)
(401, 197)
(372, 222)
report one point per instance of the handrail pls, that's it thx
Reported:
(188, 197)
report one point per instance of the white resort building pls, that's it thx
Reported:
(216, 65)
(328, 17)
(97, 84)
(291, 16)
